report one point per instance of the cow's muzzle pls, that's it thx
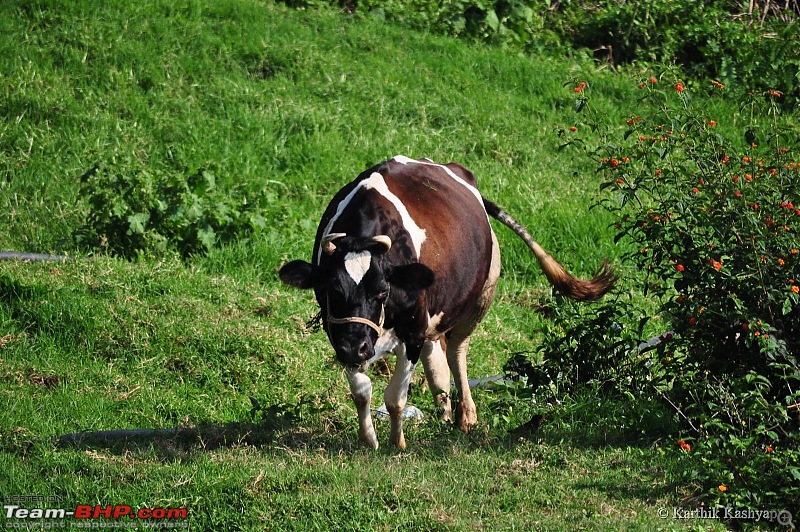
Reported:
(356, 349)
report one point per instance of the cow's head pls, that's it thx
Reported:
(355, 282)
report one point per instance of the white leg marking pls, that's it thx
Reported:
(357, 265)
(361, 388)
(396, 395)
(437, 372)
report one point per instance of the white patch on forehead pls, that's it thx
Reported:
(402, 159)
(357, 265)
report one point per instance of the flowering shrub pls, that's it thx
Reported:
(712, 224)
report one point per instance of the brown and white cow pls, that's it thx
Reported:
(405, 255)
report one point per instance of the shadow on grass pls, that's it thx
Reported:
(171, 442)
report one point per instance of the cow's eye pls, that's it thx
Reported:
(382, 296)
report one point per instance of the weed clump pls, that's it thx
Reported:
(133, 210)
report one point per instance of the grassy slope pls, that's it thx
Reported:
(296, 103)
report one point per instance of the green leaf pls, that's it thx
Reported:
(207, 237)
(137, 222)
(491, 20)
(787, 306)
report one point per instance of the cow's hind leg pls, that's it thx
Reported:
(396, 395)
(458, 345)
(361, 389)
(437, 373)
(466, 414)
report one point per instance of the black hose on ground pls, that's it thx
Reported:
(31, 257)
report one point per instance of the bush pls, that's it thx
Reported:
(712, 224)
(134, 209)
(754, 50)
(709, 40)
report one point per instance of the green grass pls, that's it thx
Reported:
(294, 103)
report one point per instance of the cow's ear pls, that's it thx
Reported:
(299, 274)
(411, 277)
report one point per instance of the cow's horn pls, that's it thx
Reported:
(328, 247)
(384, 240)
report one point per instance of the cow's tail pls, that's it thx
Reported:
(566, 283)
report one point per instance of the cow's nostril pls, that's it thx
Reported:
(364, 350)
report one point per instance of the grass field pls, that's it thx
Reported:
(293, 104)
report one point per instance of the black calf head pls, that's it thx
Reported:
(356, 285)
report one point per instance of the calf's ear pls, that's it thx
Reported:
(299, 274)
(411, 277)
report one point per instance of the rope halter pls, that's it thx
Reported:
(377, 327)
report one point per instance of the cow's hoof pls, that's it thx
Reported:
(400, 443)
(443, 407)
(466, 417)
(370, 440)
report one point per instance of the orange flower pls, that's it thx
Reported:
(769, 449)
(679, 267)
(578, 89)
(716, 264)
(679, 87)
(795, 289)
(723, 488)
(712, 123)
(573, 129)
(685, 446)
(781, 262)
(793, 251)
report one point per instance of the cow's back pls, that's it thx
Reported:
(433, 214)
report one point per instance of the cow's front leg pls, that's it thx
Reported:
(396, 395)
(361, 389)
